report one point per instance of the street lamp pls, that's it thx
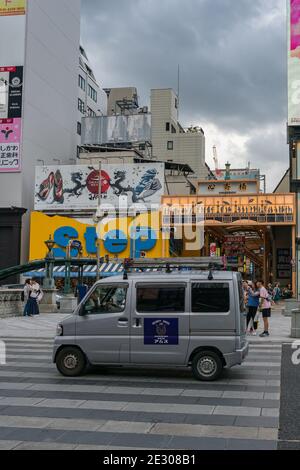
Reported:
(56, 160)
(49, 263)
(67, 286)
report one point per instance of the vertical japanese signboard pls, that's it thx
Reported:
(12, 7)
(10, 142)
(11, 89)
(294, 62)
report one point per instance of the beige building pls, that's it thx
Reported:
(120, 100)
(169, 139)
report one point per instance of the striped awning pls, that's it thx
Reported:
(106, 270)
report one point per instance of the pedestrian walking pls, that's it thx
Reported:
(25, 296)
(252, 305)
(264, 307)
(34, 294)
(277, 293)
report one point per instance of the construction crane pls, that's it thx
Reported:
(218, 172)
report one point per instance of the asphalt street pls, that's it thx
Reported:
(132, 408)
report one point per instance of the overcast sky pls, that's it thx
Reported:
(232, 56)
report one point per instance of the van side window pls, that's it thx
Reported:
(106, 299)
(162, 299)
(210, 297)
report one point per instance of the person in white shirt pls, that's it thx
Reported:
(264, 307)
(32, 304)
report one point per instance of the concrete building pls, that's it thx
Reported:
(90, 95)
(40, 121)
(121, 100)
(170, 141)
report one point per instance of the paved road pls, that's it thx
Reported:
(128, 409)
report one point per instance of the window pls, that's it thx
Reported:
(154, 298)
(210, 297)
(81, 106)
(90, 112)
(81, 82)
(173, 130)
(79, 128)
(106, 299)
(176, 103)
(170, 145)
(92, 93)
(167, 126)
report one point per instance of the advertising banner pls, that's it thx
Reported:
(10, 145)
(11, 89)
(293, 62)
(12, 7)
(116, 129)
(77, 187)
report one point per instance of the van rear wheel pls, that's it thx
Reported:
(70, 362)
(207, 366)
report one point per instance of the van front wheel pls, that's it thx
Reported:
(207, 366)
(70, 362)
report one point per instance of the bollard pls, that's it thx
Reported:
(295, 325)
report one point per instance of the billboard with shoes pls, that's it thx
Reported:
(77, 187)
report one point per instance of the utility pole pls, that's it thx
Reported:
(99, 215)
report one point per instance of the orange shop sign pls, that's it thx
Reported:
(12, 7)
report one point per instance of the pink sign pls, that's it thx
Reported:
(10, 131)
(295, 24)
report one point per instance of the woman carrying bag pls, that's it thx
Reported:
(33, 299)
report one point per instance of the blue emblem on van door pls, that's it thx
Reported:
(162, 331)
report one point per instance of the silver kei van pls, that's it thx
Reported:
(171, 318)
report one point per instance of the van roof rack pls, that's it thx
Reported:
(201, 263)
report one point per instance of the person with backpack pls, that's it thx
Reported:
(265, 303)
(25, 296)
(277, 293)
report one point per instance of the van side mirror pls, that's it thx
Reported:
(82, 311)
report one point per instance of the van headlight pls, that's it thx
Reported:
(59, 330)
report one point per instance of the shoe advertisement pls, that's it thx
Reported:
(77, 187)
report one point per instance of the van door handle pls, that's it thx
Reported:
(123, 321)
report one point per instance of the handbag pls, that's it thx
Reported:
(40, 296)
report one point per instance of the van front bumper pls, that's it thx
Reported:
(237, 357)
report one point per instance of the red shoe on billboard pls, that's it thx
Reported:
(58, 188)
(45, 187)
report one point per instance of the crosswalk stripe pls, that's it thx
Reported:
(193, 430)
(139, 407)
(238, 381)
(155, 391)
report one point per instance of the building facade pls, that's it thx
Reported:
(38, 78)
(89, 92)
(170, 141)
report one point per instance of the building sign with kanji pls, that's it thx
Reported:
(230, 187)
(10, 144)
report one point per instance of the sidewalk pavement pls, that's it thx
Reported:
(280, 328)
